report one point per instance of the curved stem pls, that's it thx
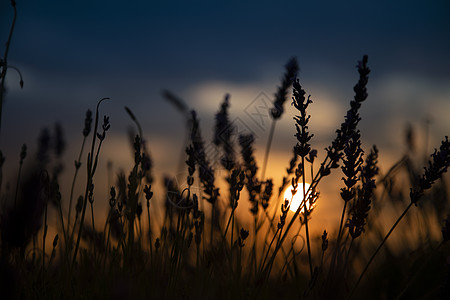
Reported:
(5, 61)
(90, 175)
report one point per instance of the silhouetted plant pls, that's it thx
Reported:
(291, 69)
(364, 195)
(170, 255)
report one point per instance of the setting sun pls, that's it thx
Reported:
(298, 197)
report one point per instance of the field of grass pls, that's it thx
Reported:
(203, 248)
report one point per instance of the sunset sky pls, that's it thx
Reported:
(72, 53)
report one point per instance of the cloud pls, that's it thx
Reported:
(397, 99)
(326, 112)
(208, 95)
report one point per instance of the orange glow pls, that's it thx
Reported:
(298, 197)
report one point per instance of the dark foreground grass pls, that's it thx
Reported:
(202, 249)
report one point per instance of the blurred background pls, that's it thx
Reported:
(73, 53)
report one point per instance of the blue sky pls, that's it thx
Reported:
(72, 53)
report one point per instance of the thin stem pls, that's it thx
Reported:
(338, 241)
(5, 61)
(348, 255)
(107, 246)
(307, 243)
(306, 217)
(231, 238)
(44, 236)
(269, 144)
(267, 269)
(420, 270)
(378, 249)
(277, 205)
(18, 183)
(90, 176)
(270, 245)
(64, 231)
(92, 215)
(272, 258)
(77, 168)
(279, 197)
(149, 232)
(313, 185)
(274, 230)
(254, 242)
(229, 222)
(73, 229)
(212, 223)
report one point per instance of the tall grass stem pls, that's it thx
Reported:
(268, 146)
(378, 249)
(5, 62)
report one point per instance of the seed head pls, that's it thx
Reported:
(364, 195)
(79, 205)
(281, 95)
(55, 241)
(267, 194)
(206, 172)
(243, 235)
(348, 127)
(301, 104)
(284, 210)
(112, 200)
(148, 192)
(23, 153)
(87, 123)
(437, 166)
(252, 183)
(324, 241)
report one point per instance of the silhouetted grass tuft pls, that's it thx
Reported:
(219, 241)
